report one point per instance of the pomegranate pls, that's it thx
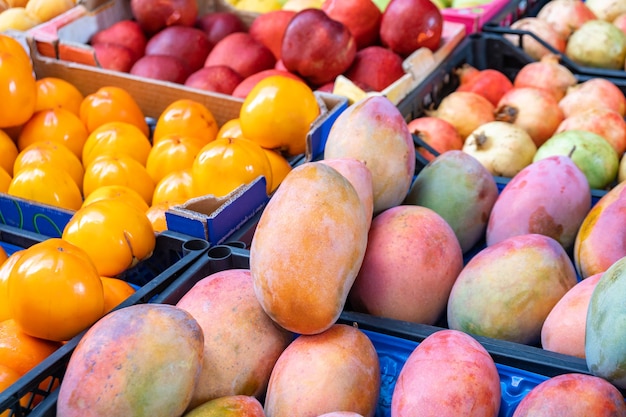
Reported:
(547, 73)
(620, 22)
(533, 109)
(606, 9)
(489, 83)
(595, 92)
(541, 29)
(465, 110)
(597, 44)
(602, 121)
(566, 15)
(437, 133)
(503, 148)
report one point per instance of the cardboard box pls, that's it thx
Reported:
(68, 40)
(68, 36)
(215, 218)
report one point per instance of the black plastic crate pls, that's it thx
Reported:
(520, 367)
(502, 27)
(482, 51)
(173, 255)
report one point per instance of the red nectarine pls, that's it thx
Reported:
(375, 66)
(316, 47)
(269, 28)
(189, 44)
(216, 78)
(361, 17)
(242, 53)
(125, 32)
(217, 25)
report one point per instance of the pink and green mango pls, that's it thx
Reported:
(572, 395)
(551, 197)
(461, 190)
(605, 350)
(507, 290)
(564, 328)
(601, 239)
(449, 374)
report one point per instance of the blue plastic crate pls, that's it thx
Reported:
(394, 351)
(173, 255)
(520, 367)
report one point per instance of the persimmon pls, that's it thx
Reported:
(230, 129)
(5, 268)
(5, 181)
(115, 235)
(56, 92)
(225, 164)
(172, 153)
(175, 186)
(47, 184)
(111, 103)
(8, 376)
(278, 113)
(58, 125)
(21, 351)
(14, 47)
(8, 152)
(186, 117)
(122, 192)
(51, 152)
(55, 290)
(116, 291)
(156, 215)
(117, 137)
(118, 169)
(280, 167)
(17, 85)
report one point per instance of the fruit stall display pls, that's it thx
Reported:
(589, 35)
(366, 180)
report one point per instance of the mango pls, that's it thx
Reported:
(461, 190)
(229, 406)
(143, 360)
(601, 238)
(507, 290)
(360, 177)
(238, 334)
(449, 374)
(308, 247)
(572, 395)
(335, 370)
(411, 262)
(550, 197)
(605, 351)
(563, 330)
(374, 131)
